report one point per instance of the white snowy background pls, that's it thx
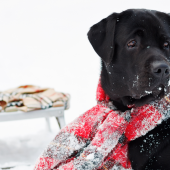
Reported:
(44, 42)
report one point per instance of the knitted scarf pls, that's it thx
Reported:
(99, 138)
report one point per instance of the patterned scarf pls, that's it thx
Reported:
(99, 138)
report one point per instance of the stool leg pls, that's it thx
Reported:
(61, 121)
(48, 124)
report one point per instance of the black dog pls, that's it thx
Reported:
(135, 50)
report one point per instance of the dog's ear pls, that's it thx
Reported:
(101, 37)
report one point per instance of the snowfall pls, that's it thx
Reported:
(44, 42)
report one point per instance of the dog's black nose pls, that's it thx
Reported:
(160, 69)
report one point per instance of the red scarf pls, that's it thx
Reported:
(98, 139)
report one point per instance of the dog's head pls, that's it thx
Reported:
(135, 50)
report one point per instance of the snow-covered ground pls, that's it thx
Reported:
(44, 42)
(25, 141)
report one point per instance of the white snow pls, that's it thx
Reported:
(28, 167)
(23, 145)
(91, 156)
(44, 42)
(148, 92)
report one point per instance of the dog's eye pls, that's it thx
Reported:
(131, 44)
(166, 45)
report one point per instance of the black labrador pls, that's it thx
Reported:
(134, 46)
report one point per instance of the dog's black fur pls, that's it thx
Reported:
(135, 50)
